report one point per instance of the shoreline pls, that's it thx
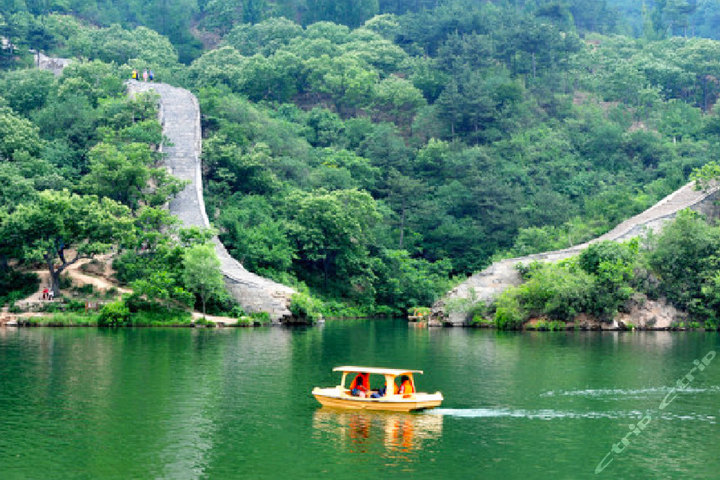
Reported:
(25, 321)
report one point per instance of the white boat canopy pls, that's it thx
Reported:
(380, 371)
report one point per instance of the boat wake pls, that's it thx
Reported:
(548, 414)
(628, 393)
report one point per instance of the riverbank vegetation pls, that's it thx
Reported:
(82, 176)
(371, 155)
(680, 264)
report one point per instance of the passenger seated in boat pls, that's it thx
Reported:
(406, 387)
(380, 392)
(360, 385)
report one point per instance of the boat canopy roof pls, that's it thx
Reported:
(377, 370)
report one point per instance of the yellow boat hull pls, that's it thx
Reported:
(330, 397)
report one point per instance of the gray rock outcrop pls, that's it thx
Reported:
(180, 119)
(486, 285)
(55, 65)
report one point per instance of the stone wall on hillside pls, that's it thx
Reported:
(180, 119)
(488, 284)
(55, 65)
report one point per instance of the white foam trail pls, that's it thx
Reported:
(607, 392)
(544, 414)
(548, 414)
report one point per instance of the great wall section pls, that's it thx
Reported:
(489, 283)
(179, 114)
(180, 119)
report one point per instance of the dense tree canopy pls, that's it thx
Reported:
(367, 148)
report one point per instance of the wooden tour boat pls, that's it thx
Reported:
(390, 397)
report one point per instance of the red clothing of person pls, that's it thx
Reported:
(361, 382)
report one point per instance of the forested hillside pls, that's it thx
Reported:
(371, 153)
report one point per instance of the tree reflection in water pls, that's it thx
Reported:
(362, 432)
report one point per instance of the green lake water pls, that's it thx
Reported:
(236, 403)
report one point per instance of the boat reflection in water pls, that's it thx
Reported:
(369, 432)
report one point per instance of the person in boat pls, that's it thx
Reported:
(360, 385)
(406, 386)
(380, 392)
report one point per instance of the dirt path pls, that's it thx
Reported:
(79, 278)
(101, 283)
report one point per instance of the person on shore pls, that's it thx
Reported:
(51, 294)
(145, 75)
(134, 74)
(44, 293)
(151, 75)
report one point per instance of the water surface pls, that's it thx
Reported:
(235, 403)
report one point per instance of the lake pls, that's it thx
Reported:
(235, 403)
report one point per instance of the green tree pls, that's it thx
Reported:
(254, 236)
(202, 274)
(398, 100)
(27, 90)
(680, 121)
(58, 224)
(679, 255)
(346, 78)
(17, 135)
(223, 66)
(333, 232)
(352, 13)
(265, 37)
(125, 173)
(611, 265)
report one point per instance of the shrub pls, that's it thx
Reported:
(75, 306)
(509, 314)
(86, 289)
(612, 266)
(236, 311)
(261, 318)
(385, 311)
(203, 322)
(419, 311)
(16, 285)
(557, 291)
(62, 320)
(306, 307)
(160, 318)
(114, 314)
(65, 282)
(481, 321)
(52, 307)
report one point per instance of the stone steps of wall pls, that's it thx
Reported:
(180, 118)
(489, 283)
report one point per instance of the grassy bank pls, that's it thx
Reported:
(139, 319)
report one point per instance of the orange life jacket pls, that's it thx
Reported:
(407, 388)
(361, 381)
